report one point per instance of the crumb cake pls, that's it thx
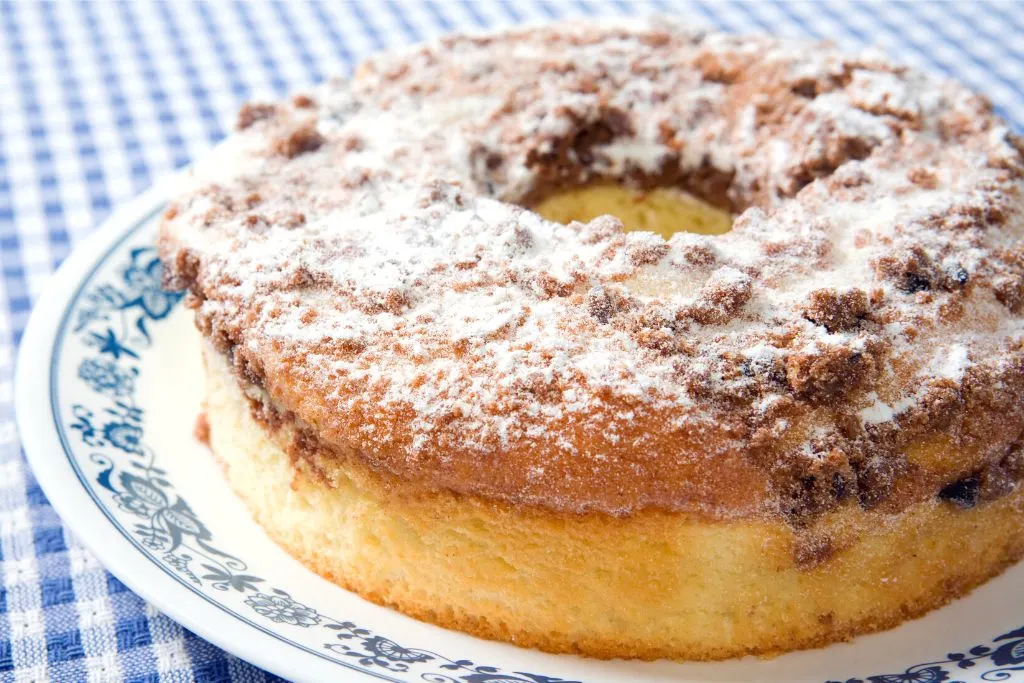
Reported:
(772, 402)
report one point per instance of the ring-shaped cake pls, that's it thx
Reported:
(590, 439)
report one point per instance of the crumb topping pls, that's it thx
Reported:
(364, 254)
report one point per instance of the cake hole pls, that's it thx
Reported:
(661, 210)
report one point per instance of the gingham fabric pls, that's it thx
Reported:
(99, 100)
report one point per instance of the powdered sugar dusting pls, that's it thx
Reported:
(364, 252)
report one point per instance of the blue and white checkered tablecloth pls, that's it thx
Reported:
(97, 100)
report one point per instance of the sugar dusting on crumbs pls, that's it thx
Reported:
(376, 237)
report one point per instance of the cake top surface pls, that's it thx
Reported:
(364, 254)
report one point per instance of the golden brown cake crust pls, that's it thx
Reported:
(362, 254)
(650, 585)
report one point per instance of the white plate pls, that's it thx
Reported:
(108, 387)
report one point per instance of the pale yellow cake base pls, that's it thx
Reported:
(661, 210)
(651, 585)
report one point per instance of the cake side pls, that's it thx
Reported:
(651, 585)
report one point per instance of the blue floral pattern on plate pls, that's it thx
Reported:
(115, 321)
(1003, 657)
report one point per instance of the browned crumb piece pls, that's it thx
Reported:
(923, 177)
(722, 298)
(251, 112)
(1009, 286)
(911, 270)
(648, 253)
(293, 219)
(826, 372)
(304, 138)
(201, 431)
(604, 304)
(837, 311)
